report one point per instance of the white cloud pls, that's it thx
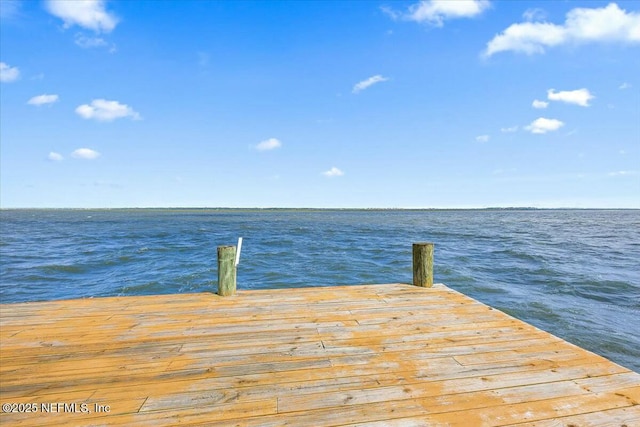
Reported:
(8, 74)
(85, 153)
(608, 23)
(435, 12)
(582, 25)
(89, 14)
(56, 157)
(269, 144)
(333, 172)
(43, 99)
(106, 111)
(368, 82)
(527, 37)
(539, 104)
(579, 97)
(542, 125)
(624, 85)
(509, 129)
(482, 138)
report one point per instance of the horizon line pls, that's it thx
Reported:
(322, 208)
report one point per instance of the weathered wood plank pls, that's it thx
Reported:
(620, 417)
(362, 355)
(546, 384)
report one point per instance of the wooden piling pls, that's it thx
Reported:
(226, 270)
(423, 264)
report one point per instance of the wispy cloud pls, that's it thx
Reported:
(55, 157)
(543, 125)
(579, 97)
(364, 84)
(269, 144)
(85, 153)
(93, 42)
(107, 184)
(43, 99)
(539, 104)
(8, 74)
(9, 8)
(89, 14)
(534, 14)
(435, 12)
(89, 42)
(624, 173)
(333, 172)
(482, 138)
(624, 85)
(582, 25)
(509, 129)
(106, 111)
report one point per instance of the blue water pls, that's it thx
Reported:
(574, 273)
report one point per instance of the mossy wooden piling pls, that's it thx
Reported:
(226, 270)
(423, 264)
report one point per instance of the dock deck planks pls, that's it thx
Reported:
(378, 355)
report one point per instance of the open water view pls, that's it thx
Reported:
(574, 273)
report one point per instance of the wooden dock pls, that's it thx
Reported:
(376, 355)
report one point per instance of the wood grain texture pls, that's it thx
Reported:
(226, 270)
(423, 264)
(376, 355)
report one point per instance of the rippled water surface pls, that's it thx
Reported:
(573, 273)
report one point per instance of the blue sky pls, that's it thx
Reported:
(320, 104)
